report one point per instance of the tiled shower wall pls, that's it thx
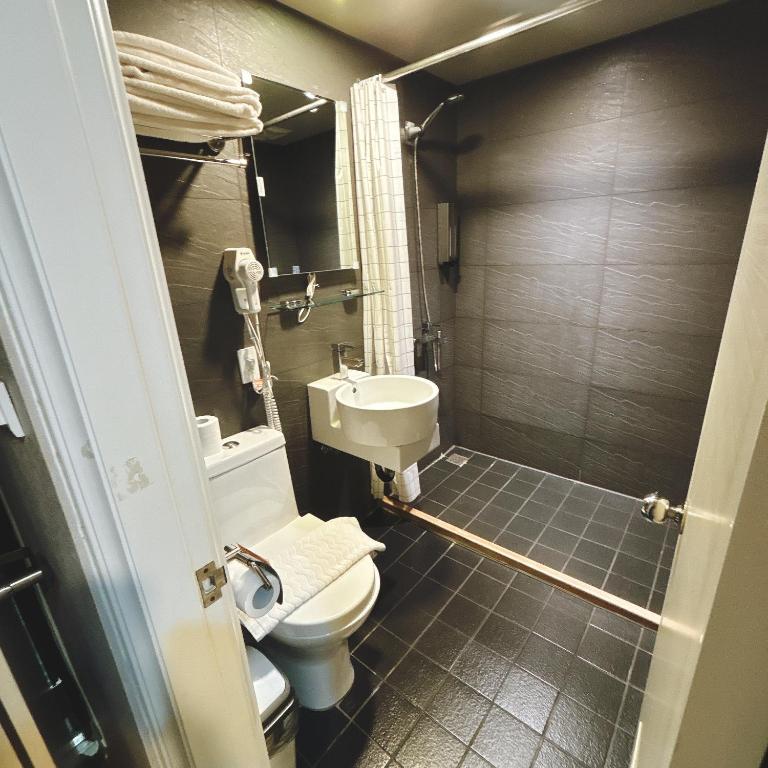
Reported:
(604, 198)
(199, 211)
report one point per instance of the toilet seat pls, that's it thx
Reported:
(332, 610)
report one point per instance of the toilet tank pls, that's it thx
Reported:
(251, 486)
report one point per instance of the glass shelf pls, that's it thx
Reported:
(294, 305)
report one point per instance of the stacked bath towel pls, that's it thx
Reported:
(176, 94)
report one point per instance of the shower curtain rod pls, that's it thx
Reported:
(566, 9)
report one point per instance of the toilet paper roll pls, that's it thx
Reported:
(251, 596)
(209, 432)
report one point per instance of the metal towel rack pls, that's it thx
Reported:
(215, 145)
(238, 162)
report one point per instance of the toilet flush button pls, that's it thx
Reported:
(230, 444)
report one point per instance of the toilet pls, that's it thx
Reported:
(254, 505)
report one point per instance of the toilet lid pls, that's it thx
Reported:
(334, 607)
(269, 685)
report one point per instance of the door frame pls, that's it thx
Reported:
(86, 321)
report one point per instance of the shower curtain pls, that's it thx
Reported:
(387, 320)
(345, 202)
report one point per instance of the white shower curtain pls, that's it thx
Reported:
(387, 319)
(345, 196)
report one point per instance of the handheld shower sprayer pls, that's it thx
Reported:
(412, 132)
(431, 335)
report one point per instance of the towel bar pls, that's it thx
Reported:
(238, 162)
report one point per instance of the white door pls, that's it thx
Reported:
(706, 702)
(86, 321)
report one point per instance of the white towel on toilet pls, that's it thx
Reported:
(311, 564)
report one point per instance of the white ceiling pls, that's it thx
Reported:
(414, 29)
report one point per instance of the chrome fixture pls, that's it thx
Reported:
(508, 30)
(428, 346)
(14, 586)
(214, 145)
(235, 552)
(658, 510)
(411, 134)
(238, 162)
(342, 363)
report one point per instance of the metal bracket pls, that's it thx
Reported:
(210, 579)
(658, 510)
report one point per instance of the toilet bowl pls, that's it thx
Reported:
(311, 645)
(254, 505)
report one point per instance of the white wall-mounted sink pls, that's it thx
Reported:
(388, 410)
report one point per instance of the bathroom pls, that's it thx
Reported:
(579, 185)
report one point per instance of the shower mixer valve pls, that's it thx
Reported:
(429, 343)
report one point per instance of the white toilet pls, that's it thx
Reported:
(254, 505)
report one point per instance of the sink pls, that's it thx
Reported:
(388, 410)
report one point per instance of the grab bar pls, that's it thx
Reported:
(10, 588)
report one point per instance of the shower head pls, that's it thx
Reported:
(414, 132)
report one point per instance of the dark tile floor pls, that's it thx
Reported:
(465, 663)
(595, 535)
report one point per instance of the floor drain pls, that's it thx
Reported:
(457, 459)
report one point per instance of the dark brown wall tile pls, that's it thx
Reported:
(635, 471)
(552, 404)
(668, 364)
(470, 298)
(546, 450)
(544, 294)
(542, 350)
(469, 341)
(705, 143)
(468, 383)
(699, 225)
(581, 88)
(706, 56)
(572, 162)
(188, 24)
(648, 421)
(667, 298)
(472, 236)
(560, 232)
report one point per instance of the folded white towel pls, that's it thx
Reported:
(173, 56)
(176, 94)
(134, 73)
(189, 106)
(311, 564)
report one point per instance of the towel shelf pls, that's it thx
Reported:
(238, 162)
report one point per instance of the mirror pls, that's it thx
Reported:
(301, 183)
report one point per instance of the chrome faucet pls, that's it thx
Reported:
(429, 346)
(342, 363)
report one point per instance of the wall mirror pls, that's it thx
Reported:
(300, 180)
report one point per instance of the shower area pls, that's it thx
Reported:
(600, 201)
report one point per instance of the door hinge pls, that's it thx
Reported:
(210, 579)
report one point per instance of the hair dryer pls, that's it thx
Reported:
(243, 274)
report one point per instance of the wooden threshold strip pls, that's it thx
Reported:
(520, 562)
